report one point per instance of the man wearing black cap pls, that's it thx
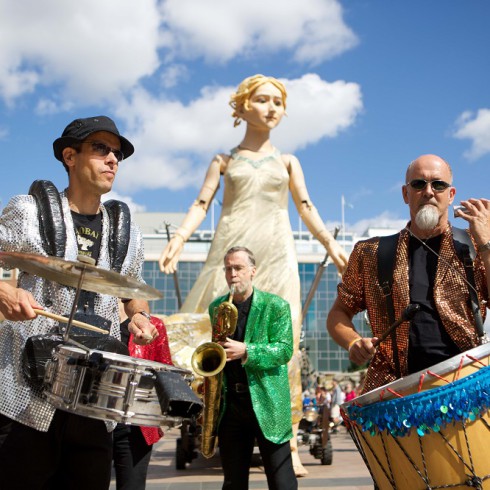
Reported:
(41, 447)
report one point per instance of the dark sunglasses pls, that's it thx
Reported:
(103, 150)
(437, 185)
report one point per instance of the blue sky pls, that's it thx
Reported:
(372, 85)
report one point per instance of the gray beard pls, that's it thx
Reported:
(427, 217)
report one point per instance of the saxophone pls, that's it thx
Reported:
(209, 360)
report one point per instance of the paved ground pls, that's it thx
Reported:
(347, 471)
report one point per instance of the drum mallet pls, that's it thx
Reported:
(408, 314)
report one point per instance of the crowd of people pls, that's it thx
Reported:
(331, 395)
(423, 265)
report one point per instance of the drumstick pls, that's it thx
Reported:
(63, 319)
(407, 314)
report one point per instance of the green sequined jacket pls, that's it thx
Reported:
(269, 340)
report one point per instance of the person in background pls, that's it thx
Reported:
(337, 400)
(349, 391)
(132, 445)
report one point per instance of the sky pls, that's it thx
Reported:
(371, 85)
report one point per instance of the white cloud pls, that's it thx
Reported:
(50, 106)
(475, 127)
(175, 142)
(134, 207)
(317, 109)
(173, 74)
(220, 30)
(91, 50)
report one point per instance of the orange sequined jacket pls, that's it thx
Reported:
(360, 290)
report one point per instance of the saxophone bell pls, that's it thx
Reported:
(208, 359)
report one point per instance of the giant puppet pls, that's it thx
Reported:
(257, 181)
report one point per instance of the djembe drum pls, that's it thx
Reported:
(430, 430)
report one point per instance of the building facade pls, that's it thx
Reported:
(325, 355)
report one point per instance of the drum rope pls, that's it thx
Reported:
(423, 460)
(438, 410)
(391, 480)
(473, 477)
(388, 459)
(355, 438)
(412, 462)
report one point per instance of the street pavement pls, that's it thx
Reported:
(347, 471)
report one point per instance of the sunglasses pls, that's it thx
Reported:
(103, 150)
(437, 185)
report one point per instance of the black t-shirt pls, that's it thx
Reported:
(234, 369)
(429, 343)
(88, 229)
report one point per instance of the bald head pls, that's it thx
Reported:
(429, 193)
(431, 161)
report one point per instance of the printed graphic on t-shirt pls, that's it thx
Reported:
(88, 230)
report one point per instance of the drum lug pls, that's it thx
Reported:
(130, 393)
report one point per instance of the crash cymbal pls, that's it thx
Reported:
(68, 273)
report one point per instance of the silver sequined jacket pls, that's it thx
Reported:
(19, 232)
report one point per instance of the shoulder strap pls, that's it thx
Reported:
(466, 252)
(51, 220)
(386, 265)
(120, 230)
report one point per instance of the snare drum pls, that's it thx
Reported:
(107, 386)
(429, 430)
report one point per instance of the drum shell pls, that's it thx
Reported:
(122, 390)
(398, 461)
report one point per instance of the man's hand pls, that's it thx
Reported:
(478, 216)
(234, 349)
(362, 350)
(144, 332)
(17, 304)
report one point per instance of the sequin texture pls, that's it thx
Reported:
(19, 232)
(360, 290)
(269, 340)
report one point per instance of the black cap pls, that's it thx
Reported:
(79, 129)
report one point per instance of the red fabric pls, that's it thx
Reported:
(158, 351)
(350, 396)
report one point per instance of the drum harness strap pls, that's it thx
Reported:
(386, 265)
(52, 228)
(53, 235)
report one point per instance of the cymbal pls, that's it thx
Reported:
(68, 273)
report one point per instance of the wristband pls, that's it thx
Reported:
(145, 314)
(352, 342)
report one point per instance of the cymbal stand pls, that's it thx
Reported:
(66, 335)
